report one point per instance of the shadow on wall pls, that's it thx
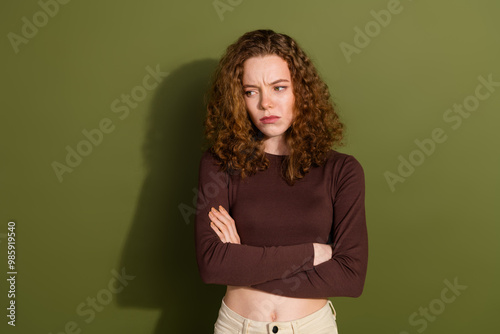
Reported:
(159, 249)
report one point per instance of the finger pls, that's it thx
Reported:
(228, 222)
(226, 227)
(221, 236)
(220, 225)
(233, 224)
(224, 216)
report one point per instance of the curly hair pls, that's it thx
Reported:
(231, 135)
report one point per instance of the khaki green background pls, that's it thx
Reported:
(119, 207)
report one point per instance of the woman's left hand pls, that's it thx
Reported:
(223, 224)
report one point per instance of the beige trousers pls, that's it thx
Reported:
(322, 321)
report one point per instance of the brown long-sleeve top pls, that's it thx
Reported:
(278, 224)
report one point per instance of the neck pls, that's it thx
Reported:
(276, 145)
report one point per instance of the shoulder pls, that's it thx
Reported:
(344, 168)
(343, 161)
(210, 162)
(207, 155)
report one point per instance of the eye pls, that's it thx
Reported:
(249, 93)
(279, 88)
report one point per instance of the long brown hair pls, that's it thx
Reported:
(231, 135)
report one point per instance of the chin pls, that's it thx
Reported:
(268, 135)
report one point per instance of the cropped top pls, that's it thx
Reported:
(278, 224)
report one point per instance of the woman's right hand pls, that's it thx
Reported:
(224, 225)
(322, 253)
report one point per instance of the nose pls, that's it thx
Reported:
(265, 101)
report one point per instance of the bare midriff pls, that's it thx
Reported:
(264, 306)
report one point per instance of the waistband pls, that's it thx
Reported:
(325, 310)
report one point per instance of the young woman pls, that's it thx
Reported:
(280, 215)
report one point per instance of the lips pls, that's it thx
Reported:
(269, 119)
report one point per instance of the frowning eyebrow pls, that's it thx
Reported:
(272, 83)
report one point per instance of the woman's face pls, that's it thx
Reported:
(269, 97)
